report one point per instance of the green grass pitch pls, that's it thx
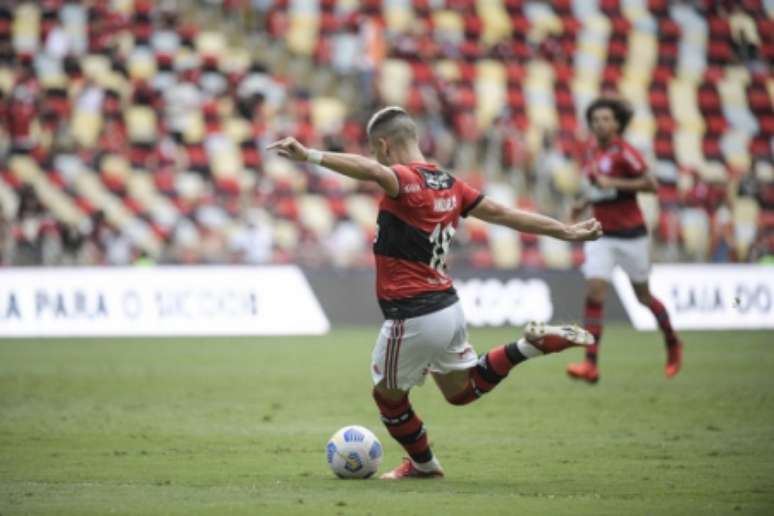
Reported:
(239, 426)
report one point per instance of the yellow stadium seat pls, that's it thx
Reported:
(225, 160)
(447, 69)
(9, 202)
(449, 23)
(95, 66)
(328, 114)
(545, 23)
(394, 81)
(398, 18)
(363, 210)
(495, 20)
(7, 79)
(688, 148)
(85, 127)
(210, 43)
(238, 129)
(236, 60)
(694, 224)
(194, 129)
(57, 202)
(116, 168)
(286, 235)
(141, 66)
(490, 91)
(746, 212)
(190, 186)
(650, 209)
(684, 105)
(302, 34)
(557, 254)
(506, 248)
(26, 28)
(315, 214)
(566, 178)
(641, 62)
(141, 124)
(713, 172)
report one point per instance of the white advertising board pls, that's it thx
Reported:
(158, 301)
(497, 302)
(705, 296)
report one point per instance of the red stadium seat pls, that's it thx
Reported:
(711, 149)
(720, 51)
(715, 124)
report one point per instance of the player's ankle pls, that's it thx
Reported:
(429, 466)
(528, 349)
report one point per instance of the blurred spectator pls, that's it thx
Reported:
(34, 231)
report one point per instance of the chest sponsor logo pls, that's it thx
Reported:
(605, 164)
(437, 180)
(411, 188)
(444, 204)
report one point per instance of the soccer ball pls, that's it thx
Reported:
(354, 452)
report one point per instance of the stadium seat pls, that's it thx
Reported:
(557, 254)
(695, 233)
(490, 90)
(505, 247)
(746, 211)
(395, 81)
(141, 124)
(315, 214)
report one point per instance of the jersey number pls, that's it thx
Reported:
(441, 238)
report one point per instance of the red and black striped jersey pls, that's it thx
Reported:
(617, 211)
(414, 232)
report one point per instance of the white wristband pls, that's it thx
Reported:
(314, 156)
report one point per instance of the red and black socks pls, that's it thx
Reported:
(490, 370)
(664, 323)
(405, 427)
(593, 314)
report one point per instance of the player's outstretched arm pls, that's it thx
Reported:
(350, 165)
(530, 222)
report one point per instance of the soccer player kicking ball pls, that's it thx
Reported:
(424, 330)
(615, 173)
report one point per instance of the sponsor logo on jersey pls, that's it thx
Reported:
(439, 180)
(411, 188)
(444, 204)
(605, 164)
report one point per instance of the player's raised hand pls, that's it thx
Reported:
(589, 229)
(289, 148)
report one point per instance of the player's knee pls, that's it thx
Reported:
(643, 297)
(461, 397)
(385, 396)
(458, 400)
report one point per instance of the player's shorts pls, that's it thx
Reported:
(631, 254)
(407, 349)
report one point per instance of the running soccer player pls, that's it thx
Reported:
(615, 172)
(424, 329)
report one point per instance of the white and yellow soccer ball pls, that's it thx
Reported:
(354, 452)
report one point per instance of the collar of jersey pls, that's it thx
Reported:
(423, 164)
(615, 141)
